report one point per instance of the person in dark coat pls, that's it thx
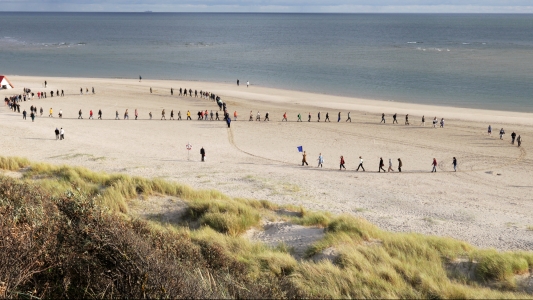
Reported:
(202, 153)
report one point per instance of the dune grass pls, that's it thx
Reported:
(368, 262)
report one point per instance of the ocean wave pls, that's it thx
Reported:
(415, 42)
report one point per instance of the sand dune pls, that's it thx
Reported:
(487, 202)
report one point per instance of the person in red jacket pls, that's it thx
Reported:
(342, 163)
(434, 164)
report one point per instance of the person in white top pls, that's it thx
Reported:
(320, 160)
(61, 134)
(360, 164)
(247, 83)
(390, 166)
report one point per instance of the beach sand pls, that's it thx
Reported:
(488, 202)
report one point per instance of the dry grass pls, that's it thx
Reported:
(369, 262)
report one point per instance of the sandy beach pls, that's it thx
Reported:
(487, 202)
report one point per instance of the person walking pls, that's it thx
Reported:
(116, 115)
(454, 163)
(228, 121)
(407, 119)
(202, 153)
(172, 114)
(171, 92)
(519, 141)
(79, 115)
(237, 82)
(435, 121)
(382, 118)
(81, 91)
(126, 115)
(235, 115)
(339, 117)
(179, 114)
(136, 114)
(360, 164)
(434, 164)
(327, 117)
(61, 134)
(381, 165)
(251, 116)
(258, 117)
(60, 114)
(304, 159)
(423, 121)
(400, 165)
(140, 78)
(299, 118)
(284, 117)
(24, 115)
(489, 130)
(100, 114)
(93, 89)
(247, 83)
(150, 115)
(502, 132)
(394, 119)
(57, 133)
(390, 166)
(91, 114)
(51, 111)
(211, 115)
(267, 118)
(189, 115)
(309, 117)
(442, 123)
(150, 90)
(41, 111)
(320, 160)
(318, 117)
(163, 115)
(342, 163)
(349, 118)
(32, 116)
(513, 136)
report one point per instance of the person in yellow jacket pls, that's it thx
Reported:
(189, 115)
(51, 111)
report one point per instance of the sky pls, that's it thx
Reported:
(290, 6)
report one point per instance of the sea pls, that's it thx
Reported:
(466, 60)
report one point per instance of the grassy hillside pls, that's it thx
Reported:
(68, 232)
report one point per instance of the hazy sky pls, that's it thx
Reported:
(414, 6)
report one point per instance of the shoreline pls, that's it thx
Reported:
(295, 97)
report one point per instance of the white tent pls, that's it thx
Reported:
(5, 83)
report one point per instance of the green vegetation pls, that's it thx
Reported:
(68, 232)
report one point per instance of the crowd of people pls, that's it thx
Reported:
(13, 103)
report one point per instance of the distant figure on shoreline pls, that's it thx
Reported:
(266, 117)
(454, 163)
(320, 160)
(434, 164)
(247, 83)
(342, 163)
(318, 117)
(150, 90)
(382, 118)
(171, 92)
(360, 164)
(349, 118)
(394, 119)
(339, 117)
(519, 141)
(202, 153)
(489, 130)
(390, 166)
(423, 121)
(400, 165)
(237, 82)
(284, 117)
(381, 165)
(309, 117)
(513, 136)
(304, 159)
(407, 119)
(61, 134)
(140, 78)
(502, 132)
(327, 117)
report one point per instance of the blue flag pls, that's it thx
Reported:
(300, 149)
